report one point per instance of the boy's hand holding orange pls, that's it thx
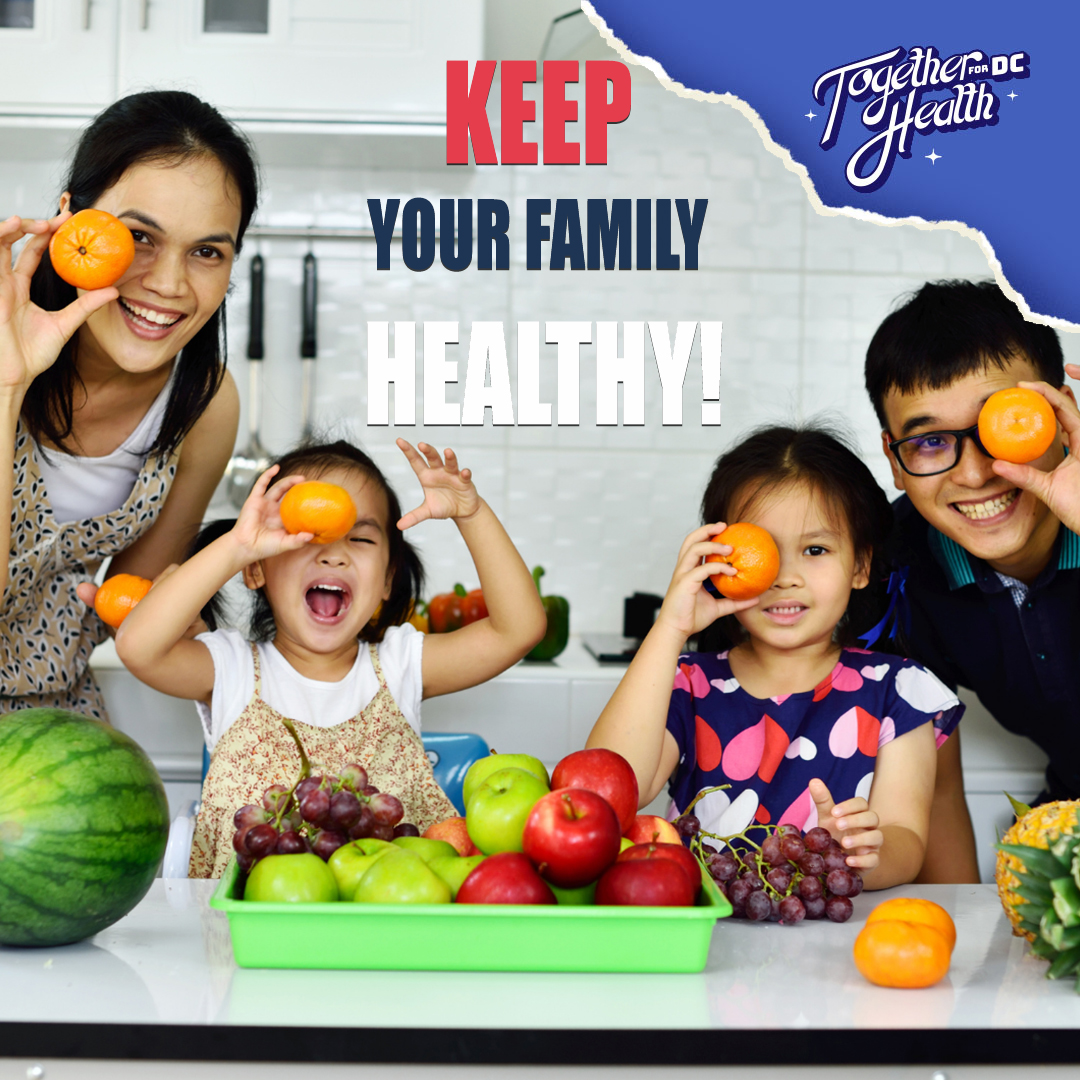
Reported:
(92, 249)
(755, 557)
(906, 942)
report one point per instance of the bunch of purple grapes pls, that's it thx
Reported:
(790, 878)
(318, 815)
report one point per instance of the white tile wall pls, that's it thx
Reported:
(603, 509)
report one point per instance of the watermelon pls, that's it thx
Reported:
(83, 826)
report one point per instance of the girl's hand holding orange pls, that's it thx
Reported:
(30, 337)
(259, 529)
(688, 608)
(448, 491)
(852, 824)
(314, 506)
(753, 556)
(92, 249)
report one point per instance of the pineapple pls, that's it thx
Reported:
(1037, 828)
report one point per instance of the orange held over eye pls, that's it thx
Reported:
(910, 955)
(320, 508)
(913, 909)
(92, 249)
(1017, 424)
(118, 595)
(756, 558)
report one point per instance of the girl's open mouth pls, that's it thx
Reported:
(327, 601)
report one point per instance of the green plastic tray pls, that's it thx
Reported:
(469, 937)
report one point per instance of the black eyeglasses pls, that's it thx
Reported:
(934, 452)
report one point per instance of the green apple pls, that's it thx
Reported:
(455, 869)
(294, 879)
(574, 897)
(495, 815)
(401, 878)
(350, 863)
(480, 770)
(426, 848)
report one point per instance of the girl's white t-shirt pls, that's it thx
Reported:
(321, 704)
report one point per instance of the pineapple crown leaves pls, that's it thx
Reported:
(1019, 808)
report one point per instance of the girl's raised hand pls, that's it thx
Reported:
(448, 491)
(688, 607)
(30, 337)
(852, 824)
(258, 529)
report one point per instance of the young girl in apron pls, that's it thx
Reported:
(332, 648)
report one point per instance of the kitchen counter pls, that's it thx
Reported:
(162, 984)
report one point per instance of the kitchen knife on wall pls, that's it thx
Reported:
(247, 465)
(308, 346)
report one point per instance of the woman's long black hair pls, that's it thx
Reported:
(159, 126)
(818, 457)
(406, 569)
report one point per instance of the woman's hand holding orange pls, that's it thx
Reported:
(1059, 488)
(30, 337)
(448, 490)
(688, 607)
(852, 824)
(258, 530)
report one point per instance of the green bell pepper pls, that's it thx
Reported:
(557, 609)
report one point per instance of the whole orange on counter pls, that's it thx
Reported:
(755, 557)
(915, 910)
(118, 595)
(92, 249)
(320, 508)
(906, 942)
(1017, 425)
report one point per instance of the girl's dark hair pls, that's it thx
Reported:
(773, 457)
(406, 569)
(159, 126)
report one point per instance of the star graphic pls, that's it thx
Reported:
(933, 157)
(810, 115)
(1012, 96)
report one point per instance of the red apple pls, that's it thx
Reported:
(572, 836)
(605, 772)
(506, 878)
(675, 852)
(645, 882)
(650, 829)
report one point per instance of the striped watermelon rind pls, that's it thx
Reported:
(83, 826)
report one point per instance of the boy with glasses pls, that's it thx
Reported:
(991, 549)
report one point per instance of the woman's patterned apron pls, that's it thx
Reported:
(46, 632)
(257, 751)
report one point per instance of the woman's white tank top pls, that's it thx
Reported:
(84, 487)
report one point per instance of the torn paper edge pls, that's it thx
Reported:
(800, 170)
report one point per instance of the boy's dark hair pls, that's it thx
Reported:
(156, 127)
(949, 329)
(406, 570)
(773, 457)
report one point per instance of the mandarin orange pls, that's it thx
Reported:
(320, 508)
(915, 910)
(92, 249)
(1017, 424)
(902, 954)
(756, 558)
(118, 595)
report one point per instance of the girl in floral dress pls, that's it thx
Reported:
(779, 703)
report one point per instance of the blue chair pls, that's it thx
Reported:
(450, 757)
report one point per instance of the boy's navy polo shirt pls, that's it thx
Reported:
(1023, 662)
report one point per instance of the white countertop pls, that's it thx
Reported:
(170, 962)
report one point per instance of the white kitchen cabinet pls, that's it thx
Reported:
(63, 62)
(381, 60)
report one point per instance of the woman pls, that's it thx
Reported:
(116, 413)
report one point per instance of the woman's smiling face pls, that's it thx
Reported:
(184, 216)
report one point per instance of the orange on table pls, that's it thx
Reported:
(909, 955)
(320, 508)
(92, 249)
(118, 595)
(756, 558)
(916, 910)
(1017, 424)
